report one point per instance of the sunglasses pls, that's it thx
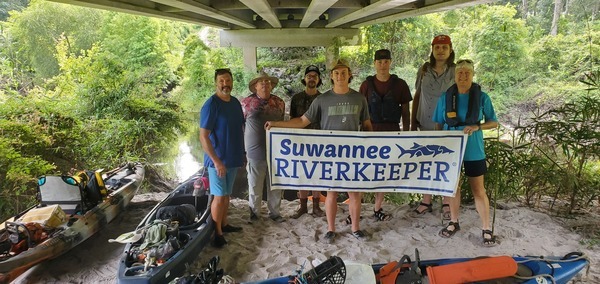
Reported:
(464, 60)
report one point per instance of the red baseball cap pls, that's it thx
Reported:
(441, 39)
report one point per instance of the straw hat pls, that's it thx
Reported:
(340, 63)
(262, 76)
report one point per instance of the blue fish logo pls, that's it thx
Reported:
(424, 150)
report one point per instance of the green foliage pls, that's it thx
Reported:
(409, 40)
(25, 139)
(565, 56)
(36, 30)
(556, 155)
(141, 46)
(496, 41)
(108, 103)
(569, 136)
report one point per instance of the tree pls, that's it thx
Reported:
(38, 28)
(496, 40)
(556, 17)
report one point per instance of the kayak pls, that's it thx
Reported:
(70, 210)
(488, 269)
(170, 237)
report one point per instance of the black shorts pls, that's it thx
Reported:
(475, 168)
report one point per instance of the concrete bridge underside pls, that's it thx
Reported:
(280, 23)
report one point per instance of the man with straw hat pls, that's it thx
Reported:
(259, 107)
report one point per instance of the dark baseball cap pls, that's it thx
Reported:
(383, 54)
(312, 68)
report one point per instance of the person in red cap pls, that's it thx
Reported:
(298, 106)
(354, 116)
(433, 79)
(388, 97)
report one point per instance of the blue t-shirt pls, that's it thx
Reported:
(225, 121)
(475, 150)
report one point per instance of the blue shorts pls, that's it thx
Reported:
(475, 168)
(221, 186)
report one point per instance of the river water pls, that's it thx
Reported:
(185, 163)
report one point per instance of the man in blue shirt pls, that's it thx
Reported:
(222, 138)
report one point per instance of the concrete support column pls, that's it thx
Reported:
(250, 58)
(332, 53)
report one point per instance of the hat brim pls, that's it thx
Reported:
(252, 84)
(338, 66)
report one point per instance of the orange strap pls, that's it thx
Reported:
(388, 273)
(473, 270)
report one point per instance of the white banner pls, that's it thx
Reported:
(412, 161)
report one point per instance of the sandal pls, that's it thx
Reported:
(488, 242)
(380, 216)
(416, 213)
(446, 214)
(447, 233)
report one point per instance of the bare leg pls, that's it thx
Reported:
(225, 211)
(378, 200)
(303, 194)
(316, 211)
(355, 204)
(331, 210)
(482, 203)
(217, 212)
(455, 204)
(453, 225)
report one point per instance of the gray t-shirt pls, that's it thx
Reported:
(432, 86)
(339, 112)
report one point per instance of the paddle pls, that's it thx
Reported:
(130, 237)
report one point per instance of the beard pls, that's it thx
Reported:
(226, 90)
(311, 84)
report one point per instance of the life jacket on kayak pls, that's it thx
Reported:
(383, 109)
(472, 117)
(92, 188)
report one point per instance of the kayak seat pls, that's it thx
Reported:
(61, 190)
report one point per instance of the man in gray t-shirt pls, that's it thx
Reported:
(335, 111)
(340, 108)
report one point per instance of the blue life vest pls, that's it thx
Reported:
(474, 106)
(384, 109)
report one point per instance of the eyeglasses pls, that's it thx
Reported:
(464, 60)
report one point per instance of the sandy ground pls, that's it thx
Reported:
(267, 249)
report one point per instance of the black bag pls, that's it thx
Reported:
(185, 214)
